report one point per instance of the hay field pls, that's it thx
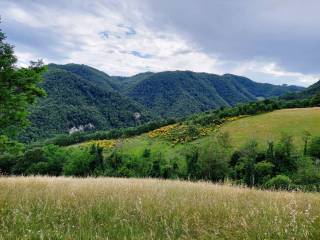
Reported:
(114, 208)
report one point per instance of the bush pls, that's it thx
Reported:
(263, 171)
(214, 159)
(279, 182)
(314, 148)
(78, 163)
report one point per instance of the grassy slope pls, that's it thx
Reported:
(262, 127)
(270, 126)
(108, 208)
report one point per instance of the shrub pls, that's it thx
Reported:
(78, 163)
(314, 148)
(263, 171)
(285, 159)
(279, 182)
(214, 159)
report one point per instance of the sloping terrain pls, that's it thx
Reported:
(180, 93)
(80, 96)
(74, 101)
(173, 141)
(312, 90)
(307, 93)
(270, 126)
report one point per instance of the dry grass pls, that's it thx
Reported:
(109, 208)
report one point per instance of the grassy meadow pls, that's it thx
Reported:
(270, 126)
(115, 208)
(263, 128)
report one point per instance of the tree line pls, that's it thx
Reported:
(281, 164)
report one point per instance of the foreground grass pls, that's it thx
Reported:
(109, 208)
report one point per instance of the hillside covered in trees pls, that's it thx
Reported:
(80, 97)
(180, 93)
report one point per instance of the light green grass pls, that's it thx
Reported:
(109, 208)
(263, 128)
(270, 126)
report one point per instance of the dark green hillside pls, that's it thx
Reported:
(312, 90)
(264, 90)
(74, 101)
(126, 83)
(173, 94)
(181, 93)
(306, 94)
(99, 78)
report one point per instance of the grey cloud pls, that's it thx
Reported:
(233, 32)
(181, 52)
(39, 41)
(286, 32)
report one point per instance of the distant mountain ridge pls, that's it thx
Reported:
(306, 93)
(312, 90)
(180, 93)
(79, 95)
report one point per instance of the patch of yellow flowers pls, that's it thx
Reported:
(105, 144)
(162, 132)
(180, 133)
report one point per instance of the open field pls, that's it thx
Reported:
(270, 126)
(110, 208)
(263, 128)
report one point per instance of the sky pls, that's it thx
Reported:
(274, 41)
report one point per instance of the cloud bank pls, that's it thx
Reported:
(268, 41)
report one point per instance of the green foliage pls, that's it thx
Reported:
(314, 148)
(279, 182)
(55, 159)
(315, 101)
(245, 166)
(79, 95)
(181, 93)
(82, 98)
(285, 160)
(18, 90)
(97, 152)
(193, 165)
(8, 146)
(263, 172)
(78, 163)
(308, 173)
(25, 164)
(214, 159)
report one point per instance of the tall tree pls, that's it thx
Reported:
(18, 90)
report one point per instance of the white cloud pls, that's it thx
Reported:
(81, 36)
(114, 37)
(276, 74)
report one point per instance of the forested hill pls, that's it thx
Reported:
(179, 93)
(80, 96)
(312, 91)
